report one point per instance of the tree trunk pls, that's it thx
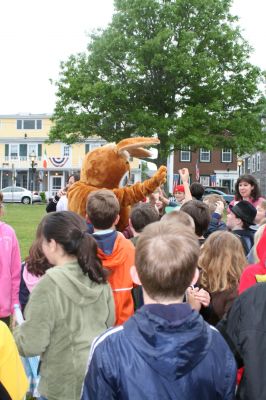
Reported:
(162, 155)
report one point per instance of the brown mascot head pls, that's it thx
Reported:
(105, 166)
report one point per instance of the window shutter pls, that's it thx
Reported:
(39, 150)
(23, 150)
(87, 147)
(6, 150)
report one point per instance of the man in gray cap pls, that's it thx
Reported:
(239, 220)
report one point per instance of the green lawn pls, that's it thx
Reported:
(24, 218)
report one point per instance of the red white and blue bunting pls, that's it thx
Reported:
(59, 162)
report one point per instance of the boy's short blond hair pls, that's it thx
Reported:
(262, 204)
(102, 208)
(211, 200)
(179, 217)
(166, 259)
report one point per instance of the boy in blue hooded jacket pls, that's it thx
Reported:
(166, 350)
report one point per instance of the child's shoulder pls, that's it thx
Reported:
(107, 339)
(7, 229)
(121, 238)
(124, 242)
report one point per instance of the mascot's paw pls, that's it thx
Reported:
(160, 176)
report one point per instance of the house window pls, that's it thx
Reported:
(205, 180)
(249, 163)
(38, 124)
(226, 155)
(253, 163)
(66, 151)
(29, 124)
(91, 146)
(185, 154)
(31, 148)
(94, 146)
(23, 151)
(14, 151)
(205, 155)
(243, 168)
(258, 161)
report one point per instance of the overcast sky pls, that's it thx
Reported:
(35, 35)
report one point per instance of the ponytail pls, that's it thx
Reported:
(70, 231)
(88, 259)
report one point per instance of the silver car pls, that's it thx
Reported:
(16, 194)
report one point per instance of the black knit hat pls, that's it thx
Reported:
(245, 211)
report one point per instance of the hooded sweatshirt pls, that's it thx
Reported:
(10, 266)
(162, 352)
(65, 312)
(255, 272)
(118, 255)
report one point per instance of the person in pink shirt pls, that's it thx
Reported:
(33, 268)
(10, 267)
(247, 188)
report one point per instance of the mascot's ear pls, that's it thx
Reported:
(139, 152)
(135, 146)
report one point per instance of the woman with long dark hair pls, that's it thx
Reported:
(68, 308)
(247, 188)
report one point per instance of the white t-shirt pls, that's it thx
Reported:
(62, 204)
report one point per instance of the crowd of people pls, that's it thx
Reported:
(171, 308)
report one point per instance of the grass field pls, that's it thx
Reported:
(24, 218)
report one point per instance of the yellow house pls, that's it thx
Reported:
(26, 159)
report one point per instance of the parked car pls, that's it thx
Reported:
(222, 188)
(227, 197)
(36, 198)
(16, 194)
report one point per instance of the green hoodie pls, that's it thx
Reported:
(66, 311)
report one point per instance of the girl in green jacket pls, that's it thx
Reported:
(68, 308)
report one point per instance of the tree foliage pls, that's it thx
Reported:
(177, 69)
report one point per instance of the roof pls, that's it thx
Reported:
(25, 116)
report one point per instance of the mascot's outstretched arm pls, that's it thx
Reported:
(137, 192)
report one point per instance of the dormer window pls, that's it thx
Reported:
(29, 124)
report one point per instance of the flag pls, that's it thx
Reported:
(213, 180)
(44, 163)
(175, 181)
(197, 171)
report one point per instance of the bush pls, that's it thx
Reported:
(43, 197)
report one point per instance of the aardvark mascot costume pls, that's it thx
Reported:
(105, 168)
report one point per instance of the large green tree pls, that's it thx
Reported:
(177, 69)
